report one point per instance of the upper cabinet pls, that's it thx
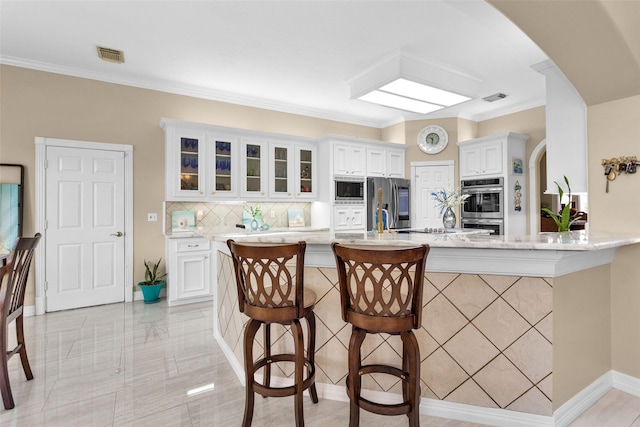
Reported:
(385, 162)
(207, 163)
(491, 156)
(349, 159)
(305, 171)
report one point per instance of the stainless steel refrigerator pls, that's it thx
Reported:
(395, 203)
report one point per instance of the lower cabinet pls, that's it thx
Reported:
(189, 264)
(349, 218)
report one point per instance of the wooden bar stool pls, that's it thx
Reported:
(268, 292)
(381, 292)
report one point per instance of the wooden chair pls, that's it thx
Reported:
(381, 292)
(269, 293)
(11, 302)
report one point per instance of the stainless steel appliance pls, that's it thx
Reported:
(348, 189)
(395, 202)
(496, 226)
(486, 198)
(484, 208)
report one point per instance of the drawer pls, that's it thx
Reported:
(189, 245)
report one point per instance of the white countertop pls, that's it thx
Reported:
(568, 241)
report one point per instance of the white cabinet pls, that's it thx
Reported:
(349, 159)
(209, 163)
(306, 171)
(254, 175)
(385, 162)
(482, 159)
(349, 218)
(188, 270)
(281, 161)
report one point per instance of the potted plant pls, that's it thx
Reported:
(564, 220)
(153, 282)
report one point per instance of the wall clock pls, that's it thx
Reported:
(432, 139)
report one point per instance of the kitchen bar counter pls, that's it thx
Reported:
(569, 241)
(514, 327)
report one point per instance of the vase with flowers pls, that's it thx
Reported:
(447, 199)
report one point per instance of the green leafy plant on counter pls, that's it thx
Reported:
(564, 220)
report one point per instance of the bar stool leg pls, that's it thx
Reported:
(311, 351)
(354, 384)
(411, 353)
(249, 334)
(267, 355)
(296, 330)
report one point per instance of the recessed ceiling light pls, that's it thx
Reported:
(413, 84)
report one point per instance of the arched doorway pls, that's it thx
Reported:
(535, 173)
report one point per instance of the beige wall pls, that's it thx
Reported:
(581, 331)
(35, 104)
(613, 130)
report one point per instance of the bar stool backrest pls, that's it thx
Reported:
(20, 258)
(381, 286)
(269, 279)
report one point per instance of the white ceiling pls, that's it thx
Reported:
(293, 56)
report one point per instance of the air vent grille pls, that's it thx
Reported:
(110, 55)
(495, 97)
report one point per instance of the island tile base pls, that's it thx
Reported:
(486, 340)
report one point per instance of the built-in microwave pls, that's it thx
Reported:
(349, 188)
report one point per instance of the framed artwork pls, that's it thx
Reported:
(182, 221)
(296, 218)
(517, 166)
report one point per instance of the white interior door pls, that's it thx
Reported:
(428, 177)
(85, 223)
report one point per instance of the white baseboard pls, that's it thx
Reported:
(562, 417)
(28, 310)
(626, 383)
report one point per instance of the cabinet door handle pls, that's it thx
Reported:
(117, 234)
(193, 246)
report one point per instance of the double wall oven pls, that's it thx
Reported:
(484, 208)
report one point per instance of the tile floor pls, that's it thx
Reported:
(137, 365)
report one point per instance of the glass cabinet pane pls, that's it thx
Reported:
(189, 164)
(223, 166)
(254, 172)
(306, 165)
(280, 169)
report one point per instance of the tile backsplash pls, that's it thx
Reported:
(228, 214)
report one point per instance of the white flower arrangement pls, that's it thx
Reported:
(448, 198)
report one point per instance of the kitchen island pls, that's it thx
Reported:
(516, 329)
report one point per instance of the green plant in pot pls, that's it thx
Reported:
(153, 282)
(564, 220)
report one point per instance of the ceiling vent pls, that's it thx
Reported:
(495, 97)
(110, 55)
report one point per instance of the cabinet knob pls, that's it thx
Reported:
(206, 257)
(199, 192)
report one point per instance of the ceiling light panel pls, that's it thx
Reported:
(399, 102)
(410, 89)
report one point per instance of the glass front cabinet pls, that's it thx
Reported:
(206, 162)
(185, 159)
(253, 168)
(305, 171)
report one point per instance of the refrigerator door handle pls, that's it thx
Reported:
(396, 200)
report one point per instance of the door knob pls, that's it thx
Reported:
(117, 234)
